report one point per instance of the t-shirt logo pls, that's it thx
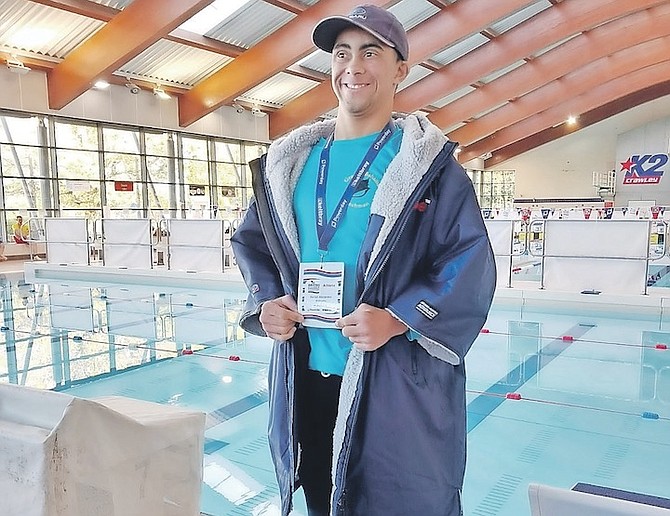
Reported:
(362, 188)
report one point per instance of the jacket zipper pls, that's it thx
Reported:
(404, 216)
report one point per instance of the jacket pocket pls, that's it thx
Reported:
(404, 354)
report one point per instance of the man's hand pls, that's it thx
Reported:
(369, 327)
(279, 317)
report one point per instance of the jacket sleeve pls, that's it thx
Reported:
(447, 301)
(258, 269)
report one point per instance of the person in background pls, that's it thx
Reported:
(20, 230)
(368, 263)
(3, 258)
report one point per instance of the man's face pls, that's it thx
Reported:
(365, 73)
(19, 219)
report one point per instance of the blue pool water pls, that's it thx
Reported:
(584, 381)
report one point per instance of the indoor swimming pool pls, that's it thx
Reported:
(556, 395)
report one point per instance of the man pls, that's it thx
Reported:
(21, 231)
(373, 399)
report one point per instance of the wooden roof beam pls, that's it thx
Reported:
(591, 117)
(578, 51)
(610, 91)
(452, 23)
(82, 7)
(440, 3)
(575, 83)
(130, 32)
(270, 56)
(551, 25)
(288, 5)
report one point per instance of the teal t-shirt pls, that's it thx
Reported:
(329, 348)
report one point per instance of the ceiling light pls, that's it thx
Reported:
(160, 93)
(101, 84)
(572, 120)
(16, 66)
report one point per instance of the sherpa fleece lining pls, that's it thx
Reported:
(421, 143)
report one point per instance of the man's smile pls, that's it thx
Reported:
(355, 86)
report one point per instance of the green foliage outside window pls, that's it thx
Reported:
(56, 167)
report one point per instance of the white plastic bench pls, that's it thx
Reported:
(552, 501)
(14, 250)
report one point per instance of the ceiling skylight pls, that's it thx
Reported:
(212, 15)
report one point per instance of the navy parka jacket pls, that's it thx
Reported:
(399, 440)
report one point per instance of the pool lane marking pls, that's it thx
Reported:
(484, 404)
(214, 445)
(236, 408)
(230, 411)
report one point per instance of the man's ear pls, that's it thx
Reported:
(403, 71)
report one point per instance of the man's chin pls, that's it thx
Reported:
(354, 110)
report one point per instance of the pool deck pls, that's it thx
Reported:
(526, 295)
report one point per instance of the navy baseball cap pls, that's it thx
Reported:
(375, 20)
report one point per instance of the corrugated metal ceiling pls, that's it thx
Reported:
(520, 16)
(174, 63)
(412, 12)
(457, 50)
(39, 30)
(116, 4)
(278, 90)
(251, 24)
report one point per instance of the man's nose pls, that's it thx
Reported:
(355, 65)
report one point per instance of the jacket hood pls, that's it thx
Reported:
(421, 143)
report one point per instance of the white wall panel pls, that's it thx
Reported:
(67, 240)
(116, 104)
(608, 276)
(601, 238)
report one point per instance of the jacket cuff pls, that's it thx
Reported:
(434, 349)
(249, 320)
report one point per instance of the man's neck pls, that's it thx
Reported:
(348, 127)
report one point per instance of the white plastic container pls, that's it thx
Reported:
(67, 456)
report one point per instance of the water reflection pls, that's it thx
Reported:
(57, 334)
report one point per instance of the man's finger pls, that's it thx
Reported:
(279, 310)
(347, 320)
(352, 332)
(280, 333)
(288, 302)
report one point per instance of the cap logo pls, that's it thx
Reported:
(359, 13)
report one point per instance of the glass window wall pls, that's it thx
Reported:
(494, 188)
(52, 166)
